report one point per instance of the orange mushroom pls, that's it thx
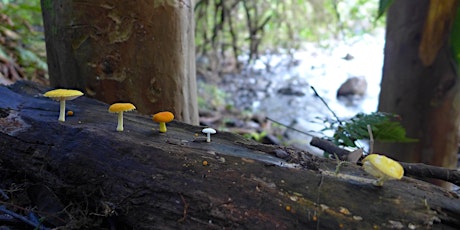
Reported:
(163, 118)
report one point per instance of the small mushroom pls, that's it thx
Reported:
(208, 132)
(62, 95)
(120, 108)
(163, 118)
(383, 168)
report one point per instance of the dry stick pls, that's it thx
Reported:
(22, 218)
(410, 169)
(185, 209)
(290, 127)
(371, 139)
(4, 195)
(330, 148)
(324, 102)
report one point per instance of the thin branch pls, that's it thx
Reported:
(22, 218)
(4, 195)
(327, 106)
(290, 127)
(185, 209)
(330, 148)
(371, 139)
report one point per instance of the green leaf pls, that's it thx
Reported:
(383, 7)
(383, 129)
(455, 37)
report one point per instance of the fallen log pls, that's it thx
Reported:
(82, 173)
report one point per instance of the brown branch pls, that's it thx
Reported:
(410, 169)
(234, 37)
(329, 147)
(185, 209)
(430, 171)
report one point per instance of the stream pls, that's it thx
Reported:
(284, 94)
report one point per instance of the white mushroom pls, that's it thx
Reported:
(208, 132)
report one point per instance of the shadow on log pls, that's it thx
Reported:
(85, 174)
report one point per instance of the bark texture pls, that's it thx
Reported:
(427, 96)
(130, 51)
(142, 179)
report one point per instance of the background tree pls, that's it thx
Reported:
(420, 80)
(136, 51)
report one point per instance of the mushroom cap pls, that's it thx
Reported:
(209, 130)
(382, 166)
(121, 107)
(63, 94)
(163, 117)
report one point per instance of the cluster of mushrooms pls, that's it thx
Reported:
(63, 95)
(380, 166)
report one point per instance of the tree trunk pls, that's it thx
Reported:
(142, 179)
(133, 51)
(421, 86)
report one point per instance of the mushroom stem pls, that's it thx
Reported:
(62, 110)
(120, 122)
(208, 137)
(379, 182)
(163, 127)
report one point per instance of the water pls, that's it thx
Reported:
(284, 93)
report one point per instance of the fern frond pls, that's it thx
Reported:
(384, 128)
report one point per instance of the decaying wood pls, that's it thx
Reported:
(97, 178)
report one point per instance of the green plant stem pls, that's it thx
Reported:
(371, 139)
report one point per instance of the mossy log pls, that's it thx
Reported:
(82, 173)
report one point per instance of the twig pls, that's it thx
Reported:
(339, 164)
(4, 195)
(23, 219)
(430, 171)
(185, 209)
(327, 106)
(371, 139)
(330, 148)
(410, 169)
(318, 199)
(290, 127)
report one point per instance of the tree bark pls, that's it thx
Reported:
(132, 51)
(143, 179)
(421, 86)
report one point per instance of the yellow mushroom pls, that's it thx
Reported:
(120, 108)
(163, 118)
(62, 95)
(383, 168)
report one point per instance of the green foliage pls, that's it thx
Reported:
(384, 128)
(256, 135)
(24, 42)
(455, 38)
(210, 97)
(275, 26)
(383, 7)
